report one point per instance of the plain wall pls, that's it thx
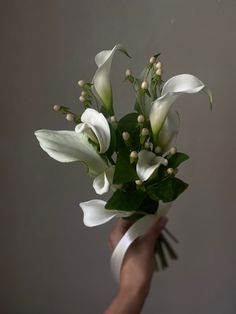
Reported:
(49, 261)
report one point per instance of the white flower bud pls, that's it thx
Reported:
(134, 154)
(140, 118)
(144, 85)
(84, 93)
(152, 60)
(158, 65)
(128, 72)
(170, 171)
(165, 163)
(159, 72)
(147, 145)
(158, 150)
(138, 182)
(125, 136)
(70, 117)
(113, 119)
(81, 98)
(144, 132)
(56, 108)
(81, 83)
(173, 150)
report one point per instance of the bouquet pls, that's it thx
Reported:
(132, 156)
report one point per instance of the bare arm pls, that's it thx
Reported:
(137, 268)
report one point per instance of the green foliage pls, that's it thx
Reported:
(167, 190)
(124, 171)
(175, 160)
(126, 200)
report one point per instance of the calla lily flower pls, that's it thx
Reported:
(102, 182)
(169, 130)
(96, 214)
(69, 146)
(101, 80)
(95, 125)
(172, 89)
(147, 163)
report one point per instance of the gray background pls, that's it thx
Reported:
(50, 262)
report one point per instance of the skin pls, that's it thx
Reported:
(137, 269)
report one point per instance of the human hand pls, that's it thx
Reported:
(137, 268)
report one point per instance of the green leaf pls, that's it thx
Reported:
(127, 201)
(167, 190)
(128, 122)
(175, 160)
(124, 171)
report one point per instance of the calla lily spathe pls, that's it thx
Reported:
(147, 163)
(169, 130)
(96, 214)
(101, 80)
(172, 89)
(69, 146)
(102, 182)
(95, 125)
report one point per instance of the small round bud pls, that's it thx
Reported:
(113, 119)
(144, 132)
(144, 85)
(173, 150)
(125, 136)
(138, 182)
(140, 118)
(158, 150)
(70, 117)
(128, 72)
(81, 98)
(134, 154)
(170, 171)
(147, 145)
(152, 60)
(165, 162)
(158, 65)
(84, 93)
(159, 72)
(56, 108)
(81, 83)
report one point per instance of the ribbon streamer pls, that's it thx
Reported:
(138, 229)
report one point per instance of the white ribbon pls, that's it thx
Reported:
(138, 229)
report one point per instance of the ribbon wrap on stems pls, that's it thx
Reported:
(138, 229)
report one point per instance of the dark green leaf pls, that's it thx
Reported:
(128, 122)
(124, 171)
(126, 201)
(175, 160)
(167, 190)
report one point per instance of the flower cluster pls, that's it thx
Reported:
(133, 155)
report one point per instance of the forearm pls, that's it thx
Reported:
(128, 301)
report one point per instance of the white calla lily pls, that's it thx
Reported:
(69, 146)
(169, 130)
(96, 214)
(172, 89)
(147, 163)
(101, 80)
(102, 182)
(95, 125)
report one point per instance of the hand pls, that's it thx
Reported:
(137, 268)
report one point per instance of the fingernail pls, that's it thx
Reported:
(162, 221)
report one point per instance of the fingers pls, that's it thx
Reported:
(154, 232)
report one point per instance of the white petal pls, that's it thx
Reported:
(147, 163)
(98, 124)
(172, 89)
(169, 130)
(68, 146)
(95, 213)
(102, 182)
(101, 79)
